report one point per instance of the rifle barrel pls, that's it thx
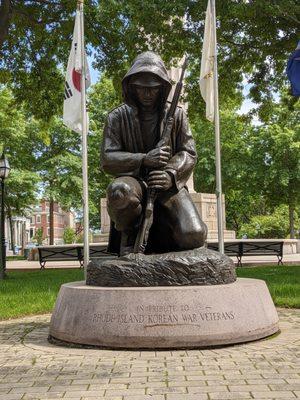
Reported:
(142, 237)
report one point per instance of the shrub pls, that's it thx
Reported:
(69, 235)
(271, 226)
(38, 237)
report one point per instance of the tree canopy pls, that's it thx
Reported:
(276, 149)
(254, 39)
(260, 164)
(16, 129)
(102, 99)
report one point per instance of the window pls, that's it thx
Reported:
(38, 219)
(48, 231)
(32, 220)
(48, 219)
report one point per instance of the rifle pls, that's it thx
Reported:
(143, 234)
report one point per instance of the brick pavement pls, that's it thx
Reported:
(32, 369)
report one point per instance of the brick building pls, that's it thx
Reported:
(40, 218)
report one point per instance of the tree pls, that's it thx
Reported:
(275, 225)
(242, 201)
(254, 38)
(275, 149)
(103, 98)
(59, 166)
(33, 37)
(260, 164)
(16, 129)
(39, 236)
(69, 235)
(241, 205)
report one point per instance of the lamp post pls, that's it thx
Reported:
(4, 171)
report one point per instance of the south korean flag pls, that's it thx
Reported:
(72, 114)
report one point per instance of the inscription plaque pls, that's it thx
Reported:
(162, 314)
(211, 211)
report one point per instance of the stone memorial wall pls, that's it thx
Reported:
(206, 204)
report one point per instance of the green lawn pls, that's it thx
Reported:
(34, 292)
(14, 258)
(283, 283)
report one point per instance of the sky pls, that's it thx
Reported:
(94, 73)
(247, 104)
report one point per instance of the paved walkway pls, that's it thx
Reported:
(288, 259)
(31, 368)
(30, 265)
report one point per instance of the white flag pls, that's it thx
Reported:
(207, 65)
(72, 115)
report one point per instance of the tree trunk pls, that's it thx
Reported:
(51, 212)
(12, 229)
(292, 221)
(24, 242)
(5, 16)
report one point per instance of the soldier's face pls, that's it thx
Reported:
(147, 95)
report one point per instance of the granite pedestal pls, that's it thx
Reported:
(164, 317)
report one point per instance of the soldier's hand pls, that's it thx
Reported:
(157, 158)
(159, 180)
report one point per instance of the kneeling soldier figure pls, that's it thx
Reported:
(130, 153)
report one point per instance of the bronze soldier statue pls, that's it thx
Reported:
(130, 153)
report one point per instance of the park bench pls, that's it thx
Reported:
(251, 248)
(69, 253)
(261, 248)
(236, 249)
(231, 249)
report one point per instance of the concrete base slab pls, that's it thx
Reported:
(164, 317)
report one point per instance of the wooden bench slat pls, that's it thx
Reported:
(251, 248)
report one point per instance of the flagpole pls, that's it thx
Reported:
(84, 146)
(217, 136)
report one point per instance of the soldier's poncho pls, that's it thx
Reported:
(123, 148)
